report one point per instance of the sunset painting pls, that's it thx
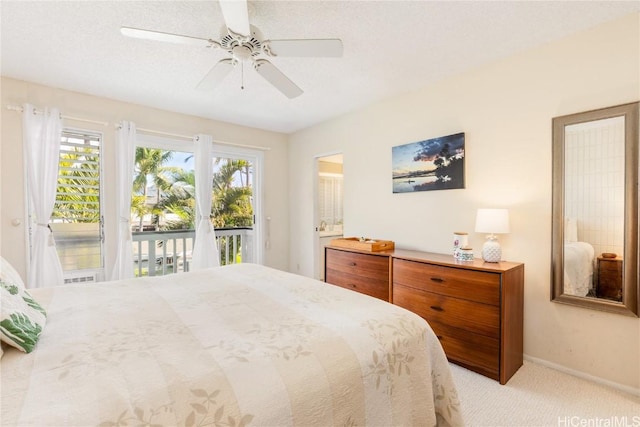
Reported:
(432, 164)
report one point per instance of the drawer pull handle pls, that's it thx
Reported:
(352, 264)
(437, 279)
(352, 285)
(436, 308)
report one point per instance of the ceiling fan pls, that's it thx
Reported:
(245, 43)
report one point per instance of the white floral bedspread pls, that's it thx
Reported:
(229, 346)
(578, 268)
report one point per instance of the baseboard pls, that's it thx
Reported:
(625, 388)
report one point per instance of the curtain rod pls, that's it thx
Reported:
(77, 119)
(233, 144)
(190, 138)
(156, 132)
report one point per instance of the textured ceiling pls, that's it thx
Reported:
(390, 47)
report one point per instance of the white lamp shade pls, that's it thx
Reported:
(493, 221)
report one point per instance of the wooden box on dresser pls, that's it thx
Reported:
(475, 308)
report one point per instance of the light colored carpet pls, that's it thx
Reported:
(540, 396)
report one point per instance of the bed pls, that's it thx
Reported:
(578, 268)
(236, 345)
(578, 261)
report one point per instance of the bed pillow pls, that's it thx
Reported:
(570, 230)
(21, 319)
(9, 274)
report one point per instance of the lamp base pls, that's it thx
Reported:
(491, 250)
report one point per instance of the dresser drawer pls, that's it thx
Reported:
(368, 274)
(370, 266)
(471, 316)
(471, 285)
(611, 267)
(477, 352)
(377, 288)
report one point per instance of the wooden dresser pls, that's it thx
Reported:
(474, 308)
(609, 278)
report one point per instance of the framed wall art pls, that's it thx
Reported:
(432, 164)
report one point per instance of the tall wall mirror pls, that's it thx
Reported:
(595, 209)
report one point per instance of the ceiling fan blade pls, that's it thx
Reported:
(236, 16)
(308, 47)
(164, 37)
(217, 74)
(274, 76)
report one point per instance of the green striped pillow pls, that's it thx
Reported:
(22, 318)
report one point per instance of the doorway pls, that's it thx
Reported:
(329, 221)
(164, 217)
(238, 217)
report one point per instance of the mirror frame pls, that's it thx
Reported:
(630, 293)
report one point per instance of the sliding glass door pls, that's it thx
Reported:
(163, 205)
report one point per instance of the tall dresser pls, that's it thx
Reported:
(475, 308)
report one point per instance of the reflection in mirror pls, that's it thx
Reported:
(595, 206)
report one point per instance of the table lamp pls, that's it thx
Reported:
(492, 221)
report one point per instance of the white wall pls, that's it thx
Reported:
(505, 109)
(15, 92)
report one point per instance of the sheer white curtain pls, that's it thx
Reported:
(205, 250)
(42, 133)
(125, 158)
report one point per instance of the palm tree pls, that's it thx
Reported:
(231, 204)
(140, 208)
(78, 187)
(149, 165)
(179, 199)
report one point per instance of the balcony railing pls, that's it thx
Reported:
(157, 253)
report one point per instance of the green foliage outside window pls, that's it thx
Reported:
(78, 191)
(175, 192)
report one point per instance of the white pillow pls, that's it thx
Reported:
(570, 230)
(9, 274)
(22, 319)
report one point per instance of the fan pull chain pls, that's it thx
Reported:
(242, 74)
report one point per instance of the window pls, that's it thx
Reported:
(77, 219)
(232, 211)
(249, 224)
(163, 205)
(163, 190)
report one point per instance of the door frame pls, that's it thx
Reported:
(316, 249)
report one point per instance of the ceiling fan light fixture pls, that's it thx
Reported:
(241, 52)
